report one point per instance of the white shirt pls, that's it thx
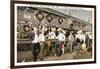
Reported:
(77, 36)
(71, 38)
(90, 36)
(81, 37)
(61, 37)
(52, 35)
(41, 37)
(36, 38)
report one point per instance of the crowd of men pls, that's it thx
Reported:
(55, 41)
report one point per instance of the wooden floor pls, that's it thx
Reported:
(27, 56)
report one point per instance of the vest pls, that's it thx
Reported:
(32, 36)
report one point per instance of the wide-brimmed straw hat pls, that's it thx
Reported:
(34, 29)
(53, 29)
(59, 29)
(80, 31)
(63, 31)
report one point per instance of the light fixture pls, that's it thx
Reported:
(39, 15)
(49, 18)
(60, 20)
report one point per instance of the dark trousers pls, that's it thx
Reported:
(59, 48)
(53, 48)
(41, 54)
(70, 46)
(35, 50)
(90, 43)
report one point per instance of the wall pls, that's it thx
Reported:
(5, 34)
